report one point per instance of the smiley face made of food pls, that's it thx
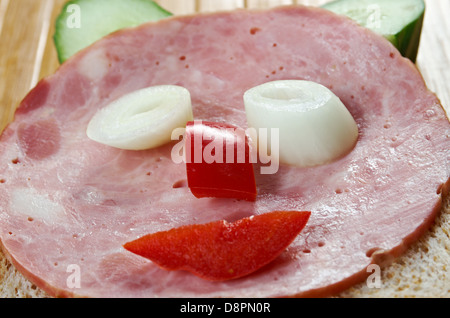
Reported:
(67, 199)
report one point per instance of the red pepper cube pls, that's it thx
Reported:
(218, 161)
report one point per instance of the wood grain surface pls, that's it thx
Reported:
(27, 52)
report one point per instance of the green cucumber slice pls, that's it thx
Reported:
(82, 22)
(399, 21)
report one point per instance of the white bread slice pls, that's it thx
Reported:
(14, 285)
(422, 272)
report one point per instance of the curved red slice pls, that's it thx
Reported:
(221, 250)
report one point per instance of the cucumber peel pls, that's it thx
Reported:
(83, 22)
(399, 21)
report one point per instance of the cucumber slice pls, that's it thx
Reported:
(82, 22)
(399, 21)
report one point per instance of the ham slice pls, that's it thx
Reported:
(68, 204)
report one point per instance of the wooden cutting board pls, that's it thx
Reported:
(27, 53)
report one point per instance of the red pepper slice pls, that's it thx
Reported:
(218, 161)
(220, 250)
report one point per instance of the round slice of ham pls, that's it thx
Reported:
(68, 204)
